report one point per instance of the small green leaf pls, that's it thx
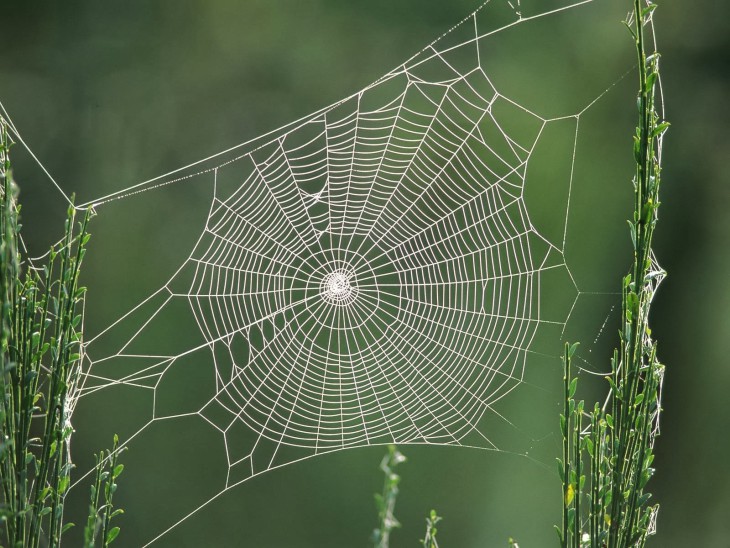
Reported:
(112, 534)
(572, 387)
(648, 10)
(615, 389)
(650, 81)
(561, 471)
(647, 211)
(378, 501)
(589, 446)
(645, 477)
(29, 376)
(661, 128)
(632, 232)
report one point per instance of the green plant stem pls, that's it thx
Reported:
(429, 540)
(566, 430)
(40, 355)
(637, 295)
(619, 439)
(386, 501)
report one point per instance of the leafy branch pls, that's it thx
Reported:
(41, 319)
(614, 443)
(385, 502)
(429, 541)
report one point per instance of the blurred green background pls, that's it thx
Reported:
(110, 94)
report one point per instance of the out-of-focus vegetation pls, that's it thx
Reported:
(109, 94)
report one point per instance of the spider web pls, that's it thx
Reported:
(369, 274)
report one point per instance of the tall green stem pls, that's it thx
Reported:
(619, 439)
(40, 355)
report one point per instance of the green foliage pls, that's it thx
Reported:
(612, 446)
(101, 503)
(40, 357)
(385, 502)
(429, 541)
